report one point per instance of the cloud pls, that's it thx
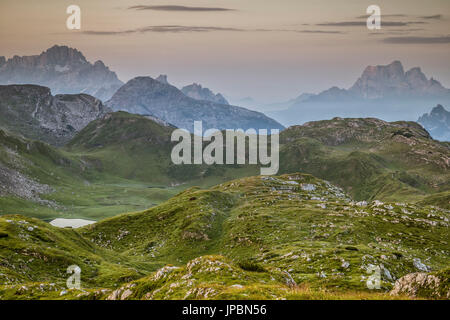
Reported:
(179, 29)
(385, 16)
(318, 31)
(434, 17)
(430, 17)
(163, 29)
(178, 8)
(364, 23)
(418, 40)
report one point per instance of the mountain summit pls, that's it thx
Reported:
(437, 122)
(196, 91)
(64, 70)
(147, 96)
(392, 81)
(386, 92)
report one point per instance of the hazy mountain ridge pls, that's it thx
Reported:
(384, 92)
(392, 81)
(437, 122)
(146, 96)
(196, 91)
(64, 70)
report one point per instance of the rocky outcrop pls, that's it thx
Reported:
(162, 78)
(421, 284)
(34, 113)
(196, 91)
(146, 96)
(392, 81)
(64, 70)
(437, 122)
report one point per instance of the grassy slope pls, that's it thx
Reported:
(273, 223)
(122, 163)
(79, 190)
(369, 158)
(123, 167)
(264, 229)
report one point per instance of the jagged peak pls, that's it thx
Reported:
(394, 68)
(62, 54)
(162, 78)
(438, 109)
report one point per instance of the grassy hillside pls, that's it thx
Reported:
(369, 158)
(290, 236)
(122, 163)
(41, 181)
(117, 164)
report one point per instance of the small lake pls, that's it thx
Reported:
(74, 223)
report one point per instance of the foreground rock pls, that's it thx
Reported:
(423, 285)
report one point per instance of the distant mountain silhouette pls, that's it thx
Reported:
(147, 96)
(386, 92)
(196, 91)
(64, 70)
(437, 123)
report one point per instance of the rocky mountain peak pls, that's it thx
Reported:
(62, 55)
(147, 96)
(196, 91)
(437, 122)
(152, 86)
(64, 70)
(162, 78)
(439, 109)
(392, 81)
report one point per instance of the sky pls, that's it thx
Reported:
(270, 50)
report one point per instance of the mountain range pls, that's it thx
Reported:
(352, 194)
(64, 70)
(147, 96)
(384, 91)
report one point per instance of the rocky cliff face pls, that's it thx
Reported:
(437, 122)
(33, 112)
(196, 91)
(64, 70)
(385, 82)
(385, 92)
(392, 81)
(146, 96)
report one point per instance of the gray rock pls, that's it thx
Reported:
(64, 70)
(32, 111)
(420, 266)
(197, 92)
(146, 96)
